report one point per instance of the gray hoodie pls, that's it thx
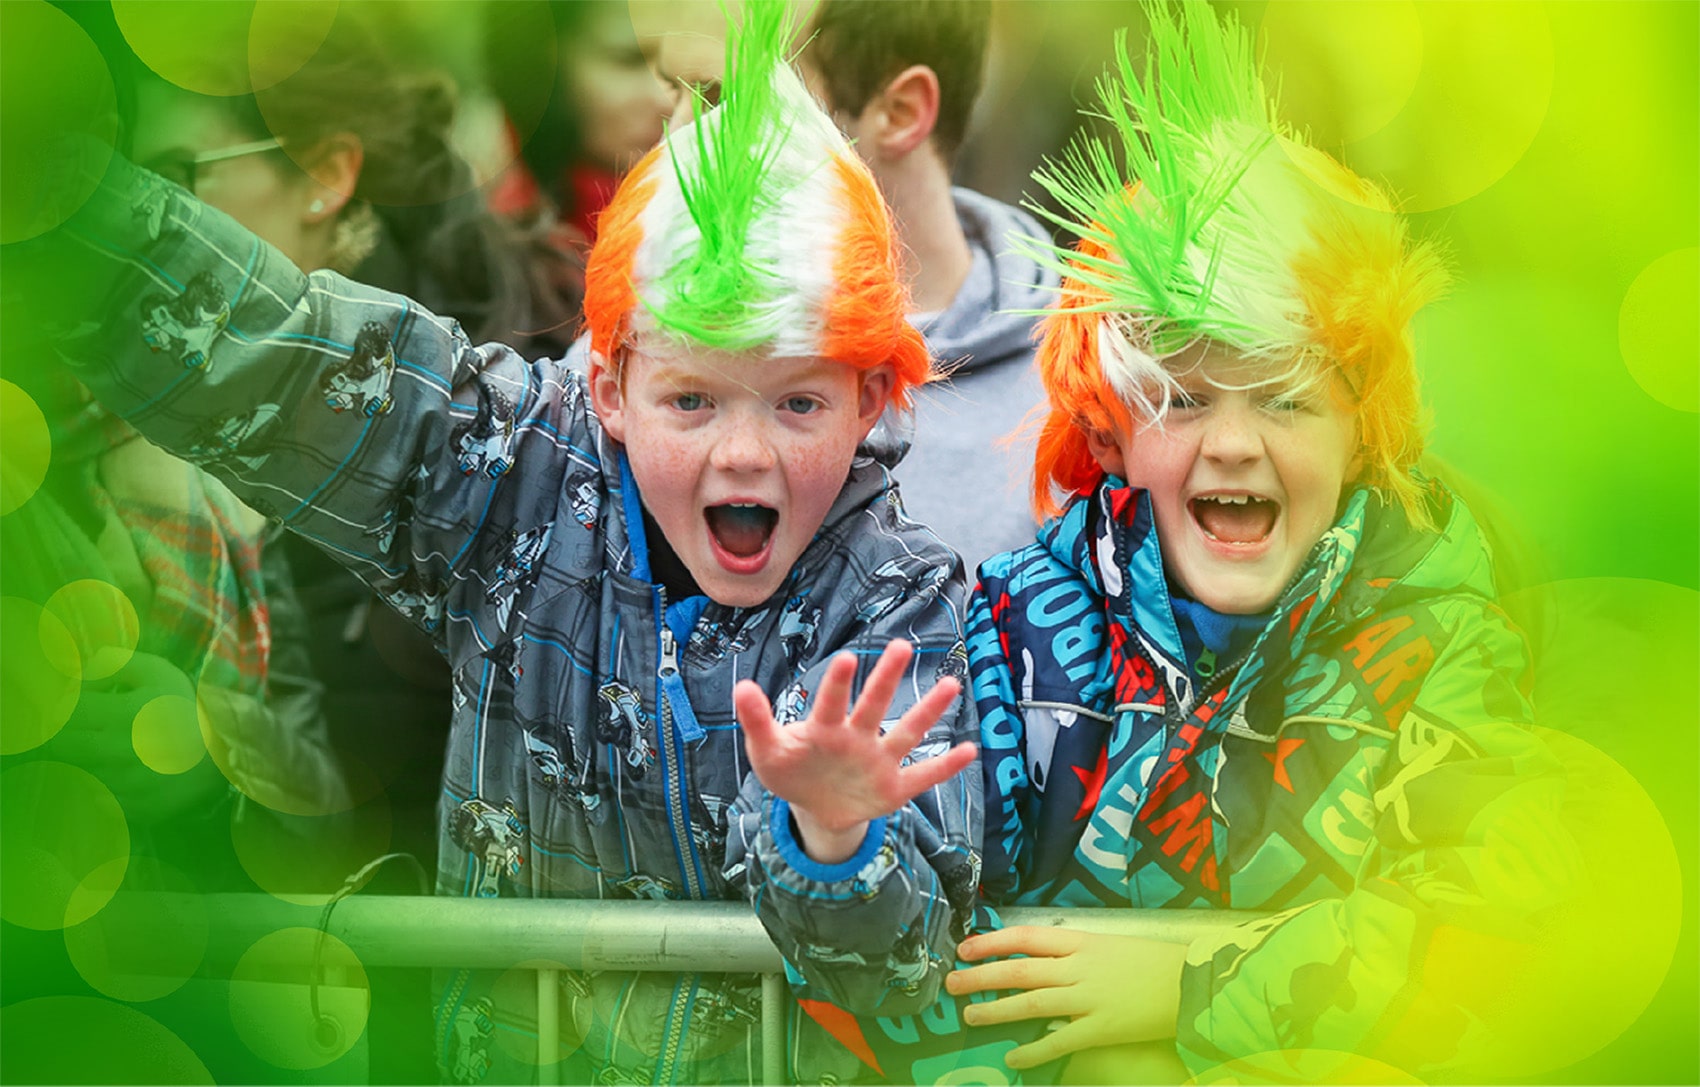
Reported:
(959, 478)
(593, 751)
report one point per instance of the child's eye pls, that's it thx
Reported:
(801, 405)
(1288, 404)
(690, 402)
(1181, 400)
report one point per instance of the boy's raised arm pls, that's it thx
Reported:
(350, 414)
(874, 932)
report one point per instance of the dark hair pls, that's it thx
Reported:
(435, 239)
(440, 243)
(514, 51)
(859, 46)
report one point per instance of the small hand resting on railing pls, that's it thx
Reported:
(1114, 990)
(835, 768)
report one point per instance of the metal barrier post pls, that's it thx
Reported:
(548, 1026)
(775, 999)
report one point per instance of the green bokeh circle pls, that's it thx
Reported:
(58, 118)
(1477, 104)
(270, 1002)
(516, 989)
(1629, 767)
(529, 41)
(1658, 329)
(40, 677)
(1606, 953)
(103, 621)
(26, 447)
(227, 48)
(66, 845)
(251, 756)
(80, 1039)
(305, 858)
(1346, 70)
(167, 735)
(149, 939)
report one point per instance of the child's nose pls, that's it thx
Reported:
(1231, 435)
(743, 445)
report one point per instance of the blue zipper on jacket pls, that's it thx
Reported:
(676, 721)
(672, 705)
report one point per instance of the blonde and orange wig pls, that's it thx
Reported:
(1219, 223)
(754, 229)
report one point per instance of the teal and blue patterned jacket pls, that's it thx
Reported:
(1366, 770)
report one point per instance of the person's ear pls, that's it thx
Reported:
(902, 116)
(334, 167)
(608, 396)
(1106, 452)
(877, 384)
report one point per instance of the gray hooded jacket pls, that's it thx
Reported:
(960, 478)
(594, 752)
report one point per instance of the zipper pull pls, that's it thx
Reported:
(669, 654)
(672, 686)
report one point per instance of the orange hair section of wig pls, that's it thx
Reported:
(865, 323)
(610, 287)
(1361, 288)
(1081, 400)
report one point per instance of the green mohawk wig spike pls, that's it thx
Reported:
(720, 295)
(1163, 215)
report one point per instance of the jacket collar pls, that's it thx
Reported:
(1110, 539)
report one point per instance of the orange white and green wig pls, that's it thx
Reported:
(1214, 221)
(755, 229)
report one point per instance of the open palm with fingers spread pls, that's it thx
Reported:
(835, 768)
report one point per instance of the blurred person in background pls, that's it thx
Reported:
(606, 108)
(347, 165)
(171, 595)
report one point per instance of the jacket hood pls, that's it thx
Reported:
(988, 322)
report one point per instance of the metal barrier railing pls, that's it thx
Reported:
(669, 937)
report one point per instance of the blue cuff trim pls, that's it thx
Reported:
(809, 868)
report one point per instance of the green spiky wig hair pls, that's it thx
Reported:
(754, 229)
(1204, 218)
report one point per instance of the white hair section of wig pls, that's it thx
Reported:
(793, 240)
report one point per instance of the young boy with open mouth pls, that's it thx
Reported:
(1256, 662)
(657, 583)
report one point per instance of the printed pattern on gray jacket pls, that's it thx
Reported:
(594, 751)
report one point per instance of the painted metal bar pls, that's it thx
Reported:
(671, 937)
(548, 1026)
(548, 935)
(775, 1000)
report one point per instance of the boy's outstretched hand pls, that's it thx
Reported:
(1113, 989)
(835, 768)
